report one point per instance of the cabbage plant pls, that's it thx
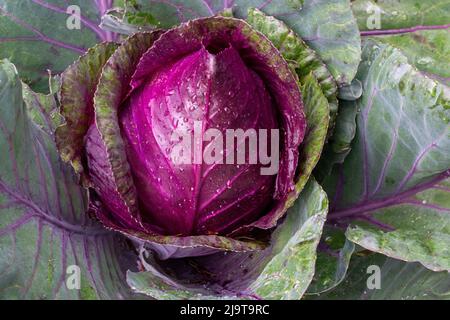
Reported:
(224, 150)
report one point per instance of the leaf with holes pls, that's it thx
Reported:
(45, 233)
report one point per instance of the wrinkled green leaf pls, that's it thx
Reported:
(339, 145)
(44, 228)
(79, 83)
(43, 109)
(318, 117)
(351, 91)
(401, 151)
(426, 50)
(290, 271)
(129, 19)
(398, 281)
(302, 58)
(112, 88)
(333, 259)
(34, 35)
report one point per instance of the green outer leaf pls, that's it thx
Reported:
(327, 26)
(339, 146)
(291, 269)
(154, 283)
(396, 14)
(427, 50)
(192, 242)
(115, 22)
(150, 285)
(317, 115)
(345, 130)
(422, 229)
(296, 51)
(401, 150)
(34, 35)
(333, 259)
(399, 281)
(282, 271)
(43, 225)
(350, 92)
(79, 82)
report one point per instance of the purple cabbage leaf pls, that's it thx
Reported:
(260, 274)
(139, 190)
(268, 274)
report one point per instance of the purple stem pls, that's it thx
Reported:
(444, 80)
(417, 161)
(103, 6)
(41, 214)
(400, 198)
(208, 6)
(402, 30)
